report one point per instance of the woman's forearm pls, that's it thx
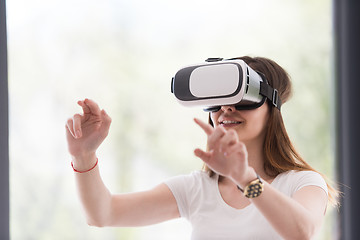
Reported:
(289, 217)
(85, 133)
(94, 196)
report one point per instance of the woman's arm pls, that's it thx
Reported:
(84, 135)
(123, 210)
(296, 217)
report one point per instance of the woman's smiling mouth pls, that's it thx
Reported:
(229, 123)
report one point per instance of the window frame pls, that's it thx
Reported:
(4, 129)
(347, 50)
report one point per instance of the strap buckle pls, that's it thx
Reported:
(275, 97)
(214, 59)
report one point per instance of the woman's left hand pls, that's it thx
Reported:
(226, 155)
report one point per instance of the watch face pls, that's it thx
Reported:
(254, 190)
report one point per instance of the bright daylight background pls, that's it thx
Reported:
(123, 54)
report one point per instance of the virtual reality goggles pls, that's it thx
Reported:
(219, 82)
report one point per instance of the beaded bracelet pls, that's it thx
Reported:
(72, 165)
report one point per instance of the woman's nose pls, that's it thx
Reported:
(228, 108)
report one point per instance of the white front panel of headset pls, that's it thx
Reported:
(215, 80)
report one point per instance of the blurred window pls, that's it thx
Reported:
(123, 54)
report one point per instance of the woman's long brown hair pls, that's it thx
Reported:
(280, 154)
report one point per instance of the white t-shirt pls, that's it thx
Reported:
(199, 201)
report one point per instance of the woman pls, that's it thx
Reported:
(254, 186)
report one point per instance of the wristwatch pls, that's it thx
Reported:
(254, 188)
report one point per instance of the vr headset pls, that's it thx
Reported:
(219, 82)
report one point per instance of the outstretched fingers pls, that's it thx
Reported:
(205, 156)
(73, 126)
(77, 126)
(85, 107)
(208, 129)
(212, 136)
(227, 140)
(106, 121)
(238, 148)
(90, 107)
(70, 127)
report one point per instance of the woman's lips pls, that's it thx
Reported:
(229, 123)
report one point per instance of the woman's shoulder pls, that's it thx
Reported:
(299, 175)
(293, 180)
(191, 178)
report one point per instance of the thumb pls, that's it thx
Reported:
(205, 156)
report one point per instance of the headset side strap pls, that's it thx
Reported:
(271, 93)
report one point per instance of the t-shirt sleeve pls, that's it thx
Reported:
(182, 188)
(309, 178)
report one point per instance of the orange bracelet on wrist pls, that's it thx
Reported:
(72, 165)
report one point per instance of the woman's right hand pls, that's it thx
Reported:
(85, 132)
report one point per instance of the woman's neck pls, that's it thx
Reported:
(256, 158)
